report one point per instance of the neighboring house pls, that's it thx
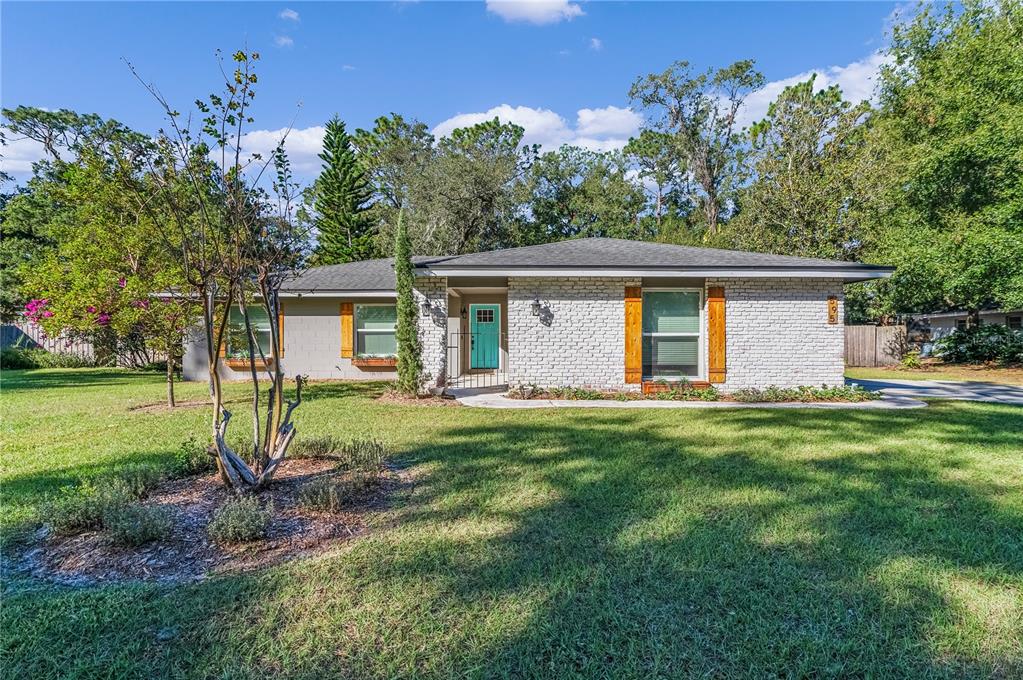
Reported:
(943, 323)
(594, 312)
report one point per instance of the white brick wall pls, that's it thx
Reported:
(579, 338)
(433, 327)
(777, 332)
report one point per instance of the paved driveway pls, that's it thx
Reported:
(965, 390)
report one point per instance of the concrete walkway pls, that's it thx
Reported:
(496, 399)
(964, 390)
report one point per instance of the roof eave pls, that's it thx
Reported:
(853, 273)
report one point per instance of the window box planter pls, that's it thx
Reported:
(656, 387)
(374, 361)
(243, 364)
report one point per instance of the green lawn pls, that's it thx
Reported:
(1006, 375)
(568, 543)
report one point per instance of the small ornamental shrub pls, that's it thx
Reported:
(22, 358)
(911, 360)
(804, 393)
(139, 479)
(362, 455)
(132, 525)
(315, 447)
(193, 458)
(326, 493)
(86, 505)
(240, 520)
(979, 344)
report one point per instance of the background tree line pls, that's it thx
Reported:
(930, 178)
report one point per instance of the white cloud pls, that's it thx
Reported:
(535, 11)
(603, 129)
(302, 145)
(347, 67)
(610, 120)
(283, 41)
(564, 53)
(288, 15)
(596, 44)
(857, 81)
(19, 155)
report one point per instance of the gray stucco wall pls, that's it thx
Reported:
(312, 344)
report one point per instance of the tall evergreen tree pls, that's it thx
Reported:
(341, 196)
(410, 362)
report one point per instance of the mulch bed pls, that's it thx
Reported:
(397, 398)
(188, 553)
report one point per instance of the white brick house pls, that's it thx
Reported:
(596, 312)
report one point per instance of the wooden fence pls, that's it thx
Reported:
(874, 345)
(31, 336)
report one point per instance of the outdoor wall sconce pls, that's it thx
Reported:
(535, 307)
(426, 307)
(464, 313)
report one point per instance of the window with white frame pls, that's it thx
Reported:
(671, 334)
(375, 330)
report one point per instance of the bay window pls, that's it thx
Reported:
(672, 334)
(375, 330)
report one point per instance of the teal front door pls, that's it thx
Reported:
(484, 335)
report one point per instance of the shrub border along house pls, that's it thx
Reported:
(593, 313)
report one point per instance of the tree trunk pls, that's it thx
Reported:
(973, 318)
(170, 381)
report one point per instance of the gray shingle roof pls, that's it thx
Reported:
(368, 275)
(609, 253)
(584, 253)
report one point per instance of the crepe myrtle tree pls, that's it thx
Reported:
(228, 216)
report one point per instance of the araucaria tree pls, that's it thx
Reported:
(340, 198)
(410, 362)
(236, 242)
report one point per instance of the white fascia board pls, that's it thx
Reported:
(339, 294)
(824, 273)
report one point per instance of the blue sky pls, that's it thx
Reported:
(561, 69)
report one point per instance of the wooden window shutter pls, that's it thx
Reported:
(716, 334)
(347, 329)
(280, 332)
(633, 335)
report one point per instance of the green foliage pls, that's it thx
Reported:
(805, 393)
(911, 360)
(326, 493)
(192, 458)
(947, 138)
(240, 519)
(340, 196)
(134, 525)
(699, 113)
(361, 454)
(84, 506)
(410, 362)
(25, 216)
(316, 446)
(804, 159)
(685, 391)
(577, 192)
(21, 358)
(139, 478)
(978, 344)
